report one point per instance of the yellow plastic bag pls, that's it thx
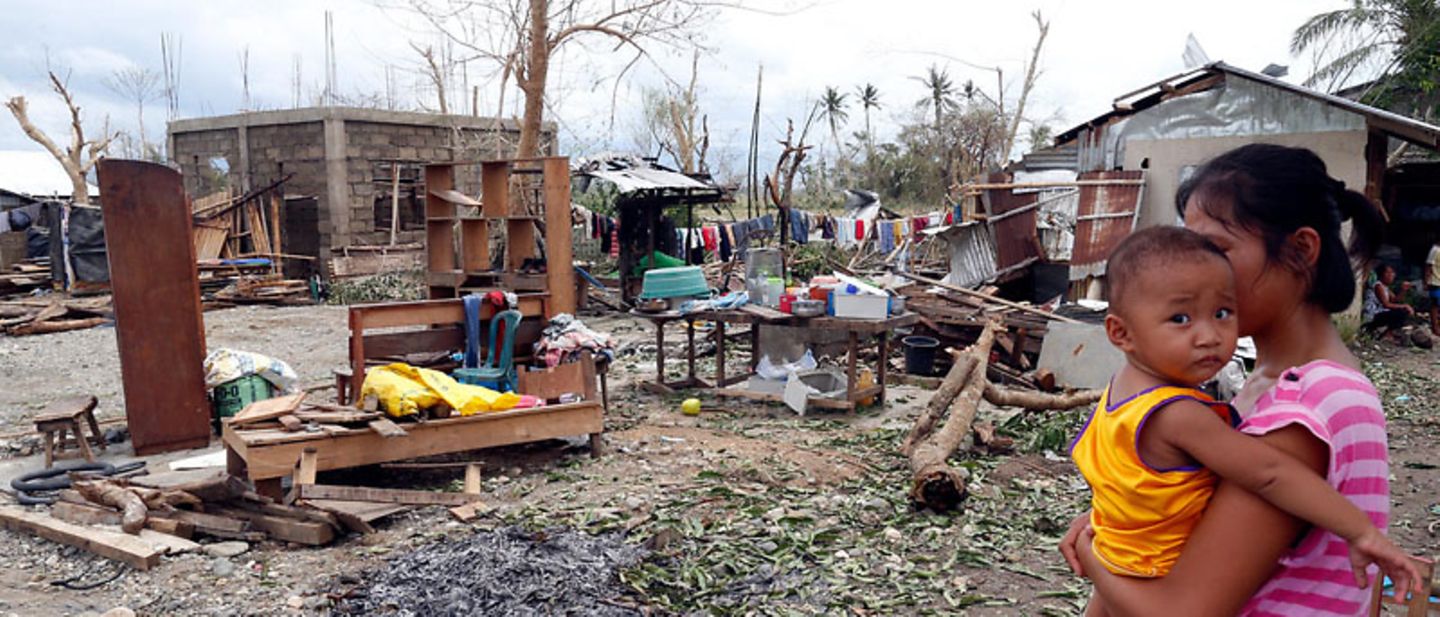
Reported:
(405, 390)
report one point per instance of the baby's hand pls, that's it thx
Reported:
(1374, 547)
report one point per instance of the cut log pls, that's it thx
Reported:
(385, 495)
(57, 325)
(934, 483)
(209, 485)
(131, 506)
(1040, 401)
(940, 401)
(121, 547)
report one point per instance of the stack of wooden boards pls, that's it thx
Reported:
(26, 276)
(238, 247)
(290, 414)
(137, 520)
(21, 317)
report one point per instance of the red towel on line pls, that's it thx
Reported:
(712, 239)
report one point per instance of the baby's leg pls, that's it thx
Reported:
(1096, 608)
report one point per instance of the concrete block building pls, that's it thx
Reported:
(347, 165)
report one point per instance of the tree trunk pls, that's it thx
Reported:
(949, 388)
(934, 483)
(533, 83)
(1039, 401)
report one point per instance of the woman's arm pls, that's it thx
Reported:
(1232, 552)
(1387, 299)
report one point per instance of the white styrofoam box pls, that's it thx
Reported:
(861, 306)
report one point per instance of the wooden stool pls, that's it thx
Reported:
(64, 416)
(1416, 604)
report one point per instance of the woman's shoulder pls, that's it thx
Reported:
(1323, 395)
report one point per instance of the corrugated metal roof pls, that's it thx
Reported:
(631, 180)
(35, 173)
(1012, 218)
(972, 253)
(1189, 82)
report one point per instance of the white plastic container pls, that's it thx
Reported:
(861, 306)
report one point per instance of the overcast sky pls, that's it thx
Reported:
(1096, 51)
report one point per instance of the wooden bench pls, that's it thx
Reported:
(65, 416)
(385, 333)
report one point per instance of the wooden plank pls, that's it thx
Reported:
(472, 479)
(336, 417)
(114, 545)
(421, 313)
(549, 384)
(368, 511)
(156, 295)
(385, 428)
(84, 514)
(559, 253)
(206, 522)
(469, 511)
(291, 423)
(170, 526)
(385, 495)
(269, 409)
(284, 529)
(305, 471)
(355, 447)
(401, 343)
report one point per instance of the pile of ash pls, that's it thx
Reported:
(508, 571)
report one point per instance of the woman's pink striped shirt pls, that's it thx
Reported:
(1340, 407)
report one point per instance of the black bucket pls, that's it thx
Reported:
(920, 354)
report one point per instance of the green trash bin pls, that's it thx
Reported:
(232, 396)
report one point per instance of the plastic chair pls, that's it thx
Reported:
(498, 373)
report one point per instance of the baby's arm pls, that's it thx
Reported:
(1281, 480)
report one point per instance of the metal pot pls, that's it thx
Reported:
(807, 308)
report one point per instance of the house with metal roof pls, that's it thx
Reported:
(1168, 128)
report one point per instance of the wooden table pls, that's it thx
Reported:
(756, 316)
(265, 456)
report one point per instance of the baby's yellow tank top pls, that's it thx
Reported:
(1141, 515)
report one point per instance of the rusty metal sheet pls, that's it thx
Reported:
(972, 253)
(156, 295)
(1012, 222)
(1106, 215)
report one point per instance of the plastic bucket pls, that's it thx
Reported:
(232, 396)
(920, 354)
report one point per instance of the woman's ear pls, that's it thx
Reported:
(1306, 244)
(1119, 335)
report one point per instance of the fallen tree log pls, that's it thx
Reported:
(131, 506)
(940, 401)
(1039, 401)
(934, 483)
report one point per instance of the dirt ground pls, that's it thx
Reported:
(747, 508)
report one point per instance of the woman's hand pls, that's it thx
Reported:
(1076, 539)
(1374, 547)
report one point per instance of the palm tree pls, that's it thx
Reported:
(832, 108)
(1401, 36)
(869, 97)
(941, 94)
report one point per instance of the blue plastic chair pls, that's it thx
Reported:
(496, 373)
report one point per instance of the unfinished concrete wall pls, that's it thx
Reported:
(341, 157)
(1342, 151)
(194, 152)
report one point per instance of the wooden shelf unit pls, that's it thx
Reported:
(458, 245)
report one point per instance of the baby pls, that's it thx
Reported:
(1154, 445)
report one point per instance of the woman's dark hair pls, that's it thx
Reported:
(1380, 269)
(1272, 191)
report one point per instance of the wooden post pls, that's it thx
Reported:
(309, 460)
(472, 479)
(276, 251)
(394, 201)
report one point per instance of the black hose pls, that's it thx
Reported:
(57, 478)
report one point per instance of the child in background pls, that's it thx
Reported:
(1154, 446)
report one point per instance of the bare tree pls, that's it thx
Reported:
(674, 122)
(1031, 74)
(140, 86)
(434, 70)
(170, 54)
(81, 155)
(521, 36)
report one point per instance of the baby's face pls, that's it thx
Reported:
(1182, 321)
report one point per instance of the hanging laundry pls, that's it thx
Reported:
(886, 238)
(712, 240)
(724, 233)
(799, 227)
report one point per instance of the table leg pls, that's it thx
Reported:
(720, 354)
(884, 365)
(660, 353)
(754, 346)
(850, 373)
(690, 349)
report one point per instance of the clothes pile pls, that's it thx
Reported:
(566, 337)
